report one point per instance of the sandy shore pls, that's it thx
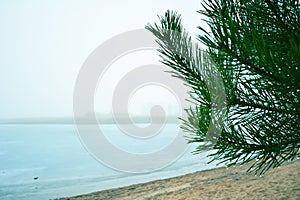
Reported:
(232, 183)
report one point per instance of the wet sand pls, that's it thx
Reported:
(222, 183)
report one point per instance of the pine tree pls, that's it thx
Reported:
(255, 46)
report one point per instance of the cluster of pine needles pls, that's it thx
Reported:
(253, 46)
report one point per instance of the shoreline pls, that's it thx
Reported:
(218, 183)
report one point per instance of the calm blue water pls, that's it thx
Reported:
(55, 155)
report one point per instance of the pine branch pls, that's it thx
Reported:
(179, 52)
(256, 47)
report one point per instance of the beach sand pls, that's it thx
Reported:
(222, 183)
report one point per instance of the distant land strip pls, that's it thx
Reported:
(87, 120)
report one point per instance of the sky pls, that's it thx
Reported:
(45, 43)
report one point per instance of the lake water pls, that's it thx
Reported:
(55, 155)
